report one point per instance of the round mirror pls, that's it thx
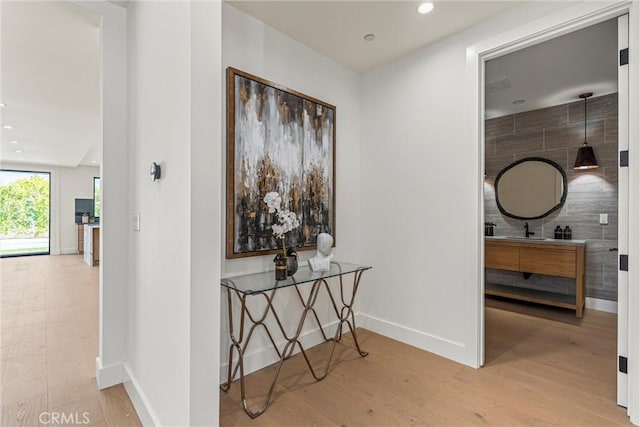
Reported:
(531, 188)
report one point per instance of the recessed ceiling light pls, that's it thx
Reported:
(17, 151)
(369, 37)
(94, 161)
(2, 105)
(13, 142)
(518, 102)
(425, 8)
(20, 158)
(9, 127)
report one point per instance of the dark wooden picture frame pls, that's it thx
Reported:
(277, 140)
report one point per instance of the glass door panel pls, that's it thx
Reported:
(25, 199)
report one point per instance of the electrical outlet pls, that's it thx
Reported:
(136, 222)
(604, 219)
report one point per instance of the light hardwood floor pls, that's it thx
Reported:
(49, 343)
(543, 367)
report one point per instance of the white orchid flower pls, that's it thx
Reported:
(273, 201)
(286, 220)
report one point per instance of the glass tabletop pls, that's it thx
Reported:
(261, 282)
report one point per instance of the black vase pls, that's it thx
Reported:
(281, 266)
(292, 262)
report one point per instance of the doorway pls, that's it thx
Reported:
(25, 213)
(536, 123)
(542, 103)
(570, 19)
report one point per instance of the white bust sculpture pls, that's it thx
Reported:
(322, 260)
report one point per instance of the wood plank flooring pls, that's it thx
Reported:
(543, 367)
(49, 342)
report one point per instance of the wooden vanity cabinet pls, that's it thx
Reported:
(80, 238)
(562, 259)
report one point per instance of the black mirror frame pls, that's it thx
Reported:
(532, 159)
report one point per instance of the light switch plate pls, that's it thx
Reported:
(136, 222)
(604, 219)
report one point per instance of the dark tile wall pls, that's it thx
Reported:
(556, 133)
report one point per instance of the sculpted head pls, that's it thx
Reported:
(324, 242)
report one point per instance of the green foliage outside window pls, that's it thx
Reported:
(24, 208)
(97, 205)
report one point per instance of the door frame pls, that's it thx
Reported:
(562, 22)
(623, 212)
(114, 273)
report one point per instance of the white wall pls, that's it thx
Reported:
(206, 208)
(398, 139)
(252, 46)
(158, 340)
(419, 181)
(76, 183)
(67, 184)
(175, 83)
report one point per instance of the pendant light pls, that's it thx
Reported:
(586, 158)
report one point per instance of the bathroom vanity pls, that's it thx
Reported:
(562, 258)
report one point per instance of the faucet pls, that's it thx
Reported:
(527, 233)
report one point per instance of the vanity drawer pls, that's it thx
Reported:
(501, 257)
(550, 262)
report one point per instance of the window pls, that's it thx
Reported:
(97, 198)
(24, 212)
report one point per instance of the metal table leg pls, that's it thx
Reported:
(239, 344)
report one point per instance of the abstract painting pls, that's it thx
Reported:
(277, 140)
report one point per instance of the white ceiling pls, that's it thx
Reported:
(51, 58)
(550, 73)
(336, 28)
(50, 84)
(555, 72)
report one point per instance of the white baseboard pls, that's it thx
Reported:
(107, 376)
(266, 356)
(601, 305)
(69, 251)
(121, 373)
(139, 399)
(442, 347)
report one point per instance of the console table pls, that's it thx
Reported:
(264, 285)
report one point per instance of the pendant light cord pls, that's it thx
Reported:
(585, 120)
